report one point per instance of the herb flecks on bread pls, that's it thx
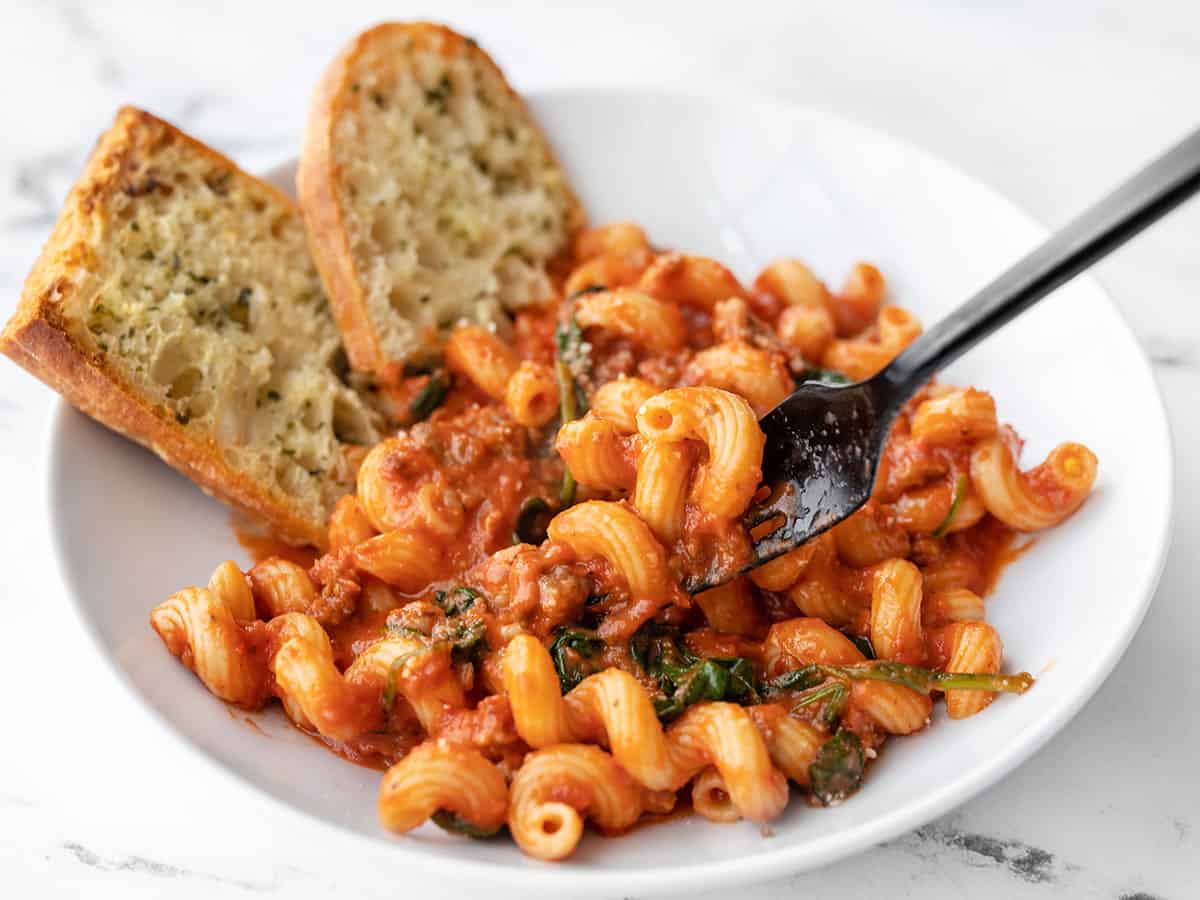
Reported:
(429, 192)
(176, 301)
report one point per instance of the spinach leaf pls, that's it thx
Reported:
(430, 397)
(864, 645)
(395, 629)
(706, 680)
(570, 649)
(570, 360)
(397, 665)
(925, 680)
(915, 677)
(832, 696)
(709, 679)
(796, 680)
(960, 491)
(837, 771)
(467, 641)
(685, 678)
(532, 520)
(456, 600)
(590, 289)
(743, 682)
(455, 824)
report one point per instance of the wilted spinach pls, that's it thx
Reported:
(456, 600)
(532, 521)
(571, 359)
(455, 824)
(685, 678)
(570, 650)
(837, 771)
(430, 397)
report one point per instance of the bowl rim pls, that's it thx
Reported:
(782, 859)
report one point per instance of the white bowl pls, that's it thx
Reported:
(745, 181)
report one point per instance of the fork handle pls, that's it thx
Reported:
(1147, 196)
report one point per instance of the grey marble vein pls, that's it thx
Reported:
(40, 183)
(1182, 829)
(1172, 353)
(143, 866)
(1025, 861)
(82, 28)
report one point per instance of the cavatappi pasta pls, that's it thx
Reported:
(498, 622)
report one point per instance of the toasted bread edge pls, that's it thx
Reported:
(38, 340)
(316, 183)
(316, 187)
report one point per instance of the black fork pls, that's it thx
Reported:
(824, 441)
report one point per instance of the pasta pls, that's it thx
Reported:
(1040, 498)
(499, 624)
(710, 797)
(724, 735)
(728, 428)
(348, 524)
(199, 627)
(863, 356)
(401, 559)
(531, 394)
(480, 356)
(858, 303)
(896, 612)
(973, 646)
(439, 776)
(614, 532)
(730, 608)
(345, 705)
(280, 586)
(555, 788)
(792, 743)
(809, 329)
(653, 323)
(617, 238)
(794, 283)
(608, 256)
(606, 270)
(893, 708)
(805, 641)
(967, 415)
(784, 571)
(756, 374)
(598, 453)
(954, 605)
(661, 487)
(618, 401)
(820, 593)
(613, 705)
(689, 280)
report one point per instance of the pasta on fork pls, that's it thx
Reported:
(498, 622)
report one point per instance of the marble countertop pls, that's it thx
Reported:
(1049, 103)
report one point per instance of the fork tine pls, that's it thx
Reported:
(774, 505)
(781, 502)
(775, 544)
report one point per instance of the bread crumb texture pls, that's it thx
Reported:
(452, 200)
(197, 286)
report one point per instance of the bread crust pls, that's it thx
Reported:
(317, 181)
(39, 339)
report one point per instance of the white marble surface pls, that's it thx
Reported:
(1047, 102)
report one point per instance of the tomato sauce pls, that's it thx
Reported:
(260, 544)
